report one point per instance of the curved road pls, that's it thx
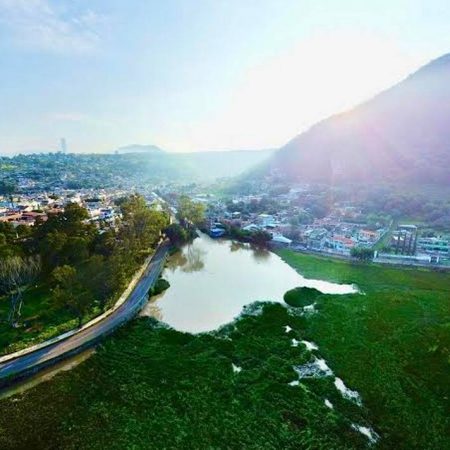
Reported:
(29, 363)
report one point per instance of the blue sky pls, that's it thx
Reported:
(199, 75)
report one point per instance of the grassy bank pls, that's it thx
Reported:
(391, 344)
(41, 321)
(370, 277)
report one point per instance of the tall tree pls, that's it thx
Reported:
(142, 224)
(70, 293)
(190, 212)
(15, 274)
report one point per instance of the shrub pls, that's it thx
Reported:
(301, 296)
(160, 286)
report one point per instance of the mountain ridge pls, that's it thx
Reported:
(401, 134)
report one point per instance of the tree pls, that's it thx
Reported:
(362, 253)
(7, 187)
(72, 221)
(103, 277)
(6, 250)
(142, 225)
(50, 248)
(189, 212)
(176, 234)
(69, 292)
(75, 250)
(304, 218)
(15, 274)
(261, 237)
(105, 242)
(8, 230)
(65, 238)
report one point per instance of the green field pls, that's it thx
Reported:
(392, 344)
(152, 387)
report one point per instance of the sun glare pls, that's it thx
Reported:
(320, 76)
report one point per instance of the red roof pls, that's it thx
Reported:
(344, 240)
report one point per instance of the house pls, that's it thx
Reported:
(252, 227)
(368, 236)
(30, 217)
(10, 217)
(281, 241)
(340, 243)
(106, 213)
(266, 220)
(315, 238)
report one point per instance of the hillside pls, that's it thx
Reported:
(220, 164)
(150, 165)
(401, 135)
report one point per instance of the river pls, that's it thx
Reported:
(212, 279)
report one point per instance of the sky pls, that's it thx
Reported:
(191, 75)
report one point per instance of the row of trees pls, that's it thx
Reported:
(362, 253)
(82, 266)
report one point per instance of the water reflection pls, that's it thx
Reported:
(190, 260)
(259, 253)
(211, 280)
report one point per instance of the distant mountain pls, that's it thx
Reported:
(220, 164)
(195, 166)
(401, 135)
(136, 148)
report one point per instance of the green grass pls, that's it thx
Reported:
(39, 321)
(150, 387)
(391, 344)
(369, 277)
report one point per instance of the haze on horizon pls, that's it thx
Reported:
(199, 75)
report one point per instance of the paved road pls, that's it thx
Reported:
(43, 357)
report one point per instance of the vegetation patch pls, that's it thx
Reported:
(64, 271)
(301, 296)
(160, 286)
(391, 345)
(153, 387)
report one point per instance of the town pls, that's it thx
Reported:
(295, 217)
